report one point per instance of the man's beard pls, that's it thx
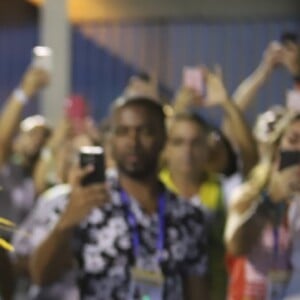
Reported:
(138, 174)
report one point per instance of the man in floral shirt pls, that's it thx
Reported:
(134, 230)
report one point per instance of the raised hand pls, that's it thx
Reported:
(33, 80)
(272, 56)
(216, 93)
(83, 198)
(186, 98)
(140, 87)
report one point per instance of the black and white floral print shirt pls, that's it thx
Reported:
(104, 249)
(103, 244)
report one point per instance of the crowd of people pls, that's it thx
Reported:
(188, 211)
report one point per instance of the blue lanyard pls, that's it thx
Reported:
(133, 224)
(276, 243)
(279, 210)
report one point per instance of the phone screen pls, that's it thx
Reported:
(293, 100)
(193, 78)
(77, 111)
(93, 155)
(42, 58)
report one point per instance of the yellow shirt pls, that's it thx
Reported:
(210, 196)
(209, 191)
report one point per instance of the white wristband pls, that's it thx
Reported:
(20, 95)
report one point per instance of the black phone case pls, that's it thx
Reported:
(288, 159)
(98, 174)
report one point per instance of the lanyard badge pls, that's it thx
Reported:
(146, 284)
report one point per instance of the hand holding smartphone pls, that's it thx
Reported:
(293, 100)
(193, 77)
(77, 111)
(42, 58)
(93, 155)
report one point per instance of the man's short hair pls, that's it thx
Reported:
(151, 104)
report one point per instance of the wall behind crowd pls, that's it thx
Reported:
(106, 55)
(16, 42)
(114, 51)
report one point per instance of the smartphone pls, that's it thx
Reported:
(289, 159)
(293, 100)
(76, 107)
(77, 111)
(193, 78)
(92, 155)
(42, 58)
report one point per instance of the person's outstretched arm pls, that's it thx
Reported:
(33, 80)
(238, 132)
(53, 258)
(246, 92)
(48, 155)
(244, 221)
